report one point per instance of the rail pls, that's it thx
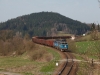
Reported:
(63, 67)
(67, 69)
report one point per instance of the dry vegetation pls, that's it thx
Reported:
(40, 54)
(18, 46)
(91, 36)
(72, 46)
(14, 45)
(21, 55)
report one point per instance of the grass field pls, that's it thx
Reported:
(87, 47)
(83, 46)
(87, 50)
(61, 33)
(21, 64)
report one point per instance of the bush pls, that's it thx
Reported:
(37, 54)
(72, 46)
(15, 46)
(48, 57)
(29, 45)
(40, 54)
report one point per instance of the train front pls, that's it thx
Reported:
(63, 46)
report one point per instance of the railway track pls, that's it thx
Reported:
(68, 67)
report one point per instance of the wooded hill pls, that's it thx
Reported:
(44, 24)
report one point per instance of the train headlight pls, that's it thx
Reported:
(73, 38)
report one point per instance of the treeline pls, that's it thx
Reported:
(44, 24)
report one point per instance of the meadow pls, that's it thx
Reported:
(26, 65)
(86, 52)
(90, 48)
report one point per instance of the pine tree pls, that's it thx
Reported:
(93, 27)
(98, 27)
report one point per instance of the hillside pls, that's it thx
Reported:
(44, 24)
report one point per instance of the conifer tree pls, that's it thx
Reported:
(93, 27)
(98, 27)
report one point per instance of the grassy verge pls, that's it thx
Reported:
(18, 64)
(50, 66)
(78, 57)
(22, 64)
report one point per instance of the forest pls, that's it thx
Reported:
(44, 24)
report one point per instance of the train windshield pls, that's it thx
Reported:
(63, 43)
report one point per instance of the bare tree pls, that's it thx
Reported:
(95, 35)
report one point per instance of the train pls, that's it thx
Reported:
(59, 44)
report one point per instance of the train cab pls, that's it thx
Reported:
(61, 45)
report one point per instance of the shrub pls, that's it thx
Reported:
(16, 46)
(37, 54)
(48, 57)
(72, 46)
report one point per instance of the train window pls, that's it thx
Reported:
(63, 43)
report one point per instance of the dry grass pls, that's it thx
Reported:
(15, 53)
(19, 46)
(40, 54)
(61, 33)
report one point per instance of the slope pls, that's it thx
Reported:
(44, 24)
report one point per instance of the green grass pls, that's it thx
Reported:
(16, 63)
(78, 57)
(84, 46)
(61, 33)
(19, 62)
(13, 62)
(28, 73)
(49, 68)
(88, 48)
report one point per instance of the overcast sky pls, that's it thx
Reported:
(87, 11)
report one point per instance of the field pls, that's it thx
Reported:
(61, 33)
(87, 47)
(86, 51)
(25, 66)
(83, 46)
